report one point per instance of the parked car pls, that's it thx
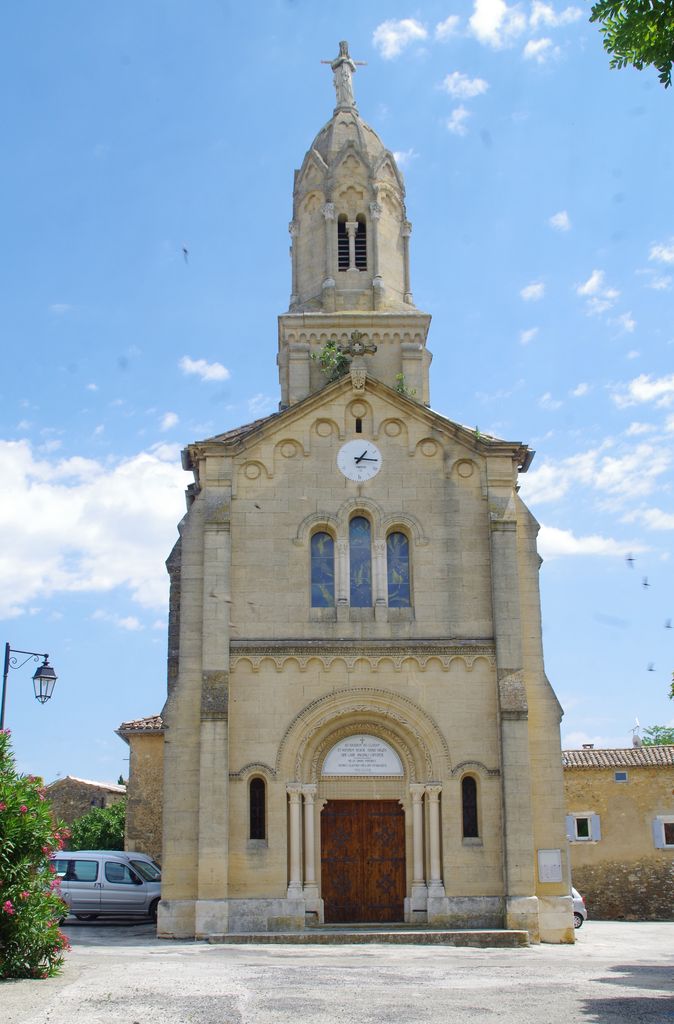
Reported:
(579, 908)
(96, 882)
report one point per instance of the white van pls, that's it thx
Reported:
(96, 882)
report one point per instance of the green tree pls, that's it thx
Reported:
(31, 944)
(102, 828)
(658, 735)
(332, 360)
(638, 32)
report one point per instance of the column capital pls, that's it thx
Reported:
(375, 211)
(309, 793)
(434, 790)
(417, 790)
(294, 791)
(406, 229)
(351, 227)
(293, 228)
(328, 211)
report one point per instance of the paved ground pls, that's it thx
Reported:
(122, 974)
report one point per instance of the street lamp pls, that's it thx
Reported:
(44, 676)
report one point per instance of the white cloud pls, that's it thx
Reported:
(461, 87)
(599, 296)
(639, 429)
(128, 622)
(260, 405)
(533, 292)
(495, 24)
(546, 401)
(556, 543)
(662, 252)
(92, 387)
(581, 389)
(206, 371)
(625, 322)
(60, 308)
(633, 354)
(404, 157)
(540, 50)
(669, 425)
(645, 388)
(457, 122)
(545, 14)
(527, 336)
(655, 280)
(560, 221)
(446, 29)
(77, 525)
(169, 420)
(392, 37)
(629, 472)
(653, 518)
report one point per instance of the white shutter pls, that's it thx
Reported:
(595, 827)
(658, 834)
(570, 827)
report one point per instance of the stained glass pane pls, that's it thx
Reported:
(398, 570)
(469, 800)
(257, 809)
(322, 571)
(360, 559)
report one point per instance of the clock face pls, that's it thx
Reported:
(359, 460)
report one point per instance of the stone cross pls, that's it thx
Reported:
(343, 67)
(357, 347)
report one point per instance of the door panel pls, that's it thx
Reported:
(363, 860)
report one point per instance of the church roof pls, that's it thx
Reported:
(151, 724)
(626, 757)
(347, 126)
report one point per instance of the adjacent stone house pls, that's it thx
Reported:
(620, 826)
(358, 726)
(145, 737)
(72, 798)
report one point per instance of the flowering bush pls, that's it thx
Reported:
(31, 944)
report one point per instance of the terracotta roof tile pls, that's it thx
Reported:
(627, 757)
(153, 723)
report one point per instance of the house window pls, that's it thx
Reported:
(257, 800)
(469, 807)
(398, 570)
(342, 243)
(583, 828)
(620, 776)
(663, 832)
(322, 570)
(360, 563)
(361, 243)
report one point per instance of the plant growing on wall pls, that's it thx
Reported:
(31, 944)
(102, 828)
(332, 361)
(401, 387)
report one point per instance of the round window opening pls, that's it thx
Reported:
(362, 755)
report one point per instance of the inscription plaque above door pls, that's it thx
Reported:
(362, 755)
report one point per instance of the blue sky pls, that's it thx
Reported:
(539, 188)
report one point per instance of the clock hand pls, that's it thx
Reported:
(363, 458)
(359, 458)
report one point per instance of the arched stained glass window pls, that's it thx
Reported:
(322, 571)
(360, 560)
(469, 807)
(257, 798)
(398, 570)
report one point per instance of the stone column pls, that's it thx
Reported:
(310, 887)
(406, 232)
(342, 582)
(211, 908)
(351, 228)
(435, 884)
(418, 902)
(294, 231)
(377, 282)
(379, 578)
(328, 212)
(295, 880)
(518, 840)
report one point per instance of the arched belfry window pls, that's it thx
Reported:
(469, 807)
(360, 562)
(342, 243)
(257, 809)
(398, 570)
(322, 570)
(361, 243)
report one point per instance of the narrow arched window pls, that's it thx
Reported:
(361, 243)
(360, 562)
(322, 571)
(342, 243)
(257, 809)
(398, 570)
(469, 807)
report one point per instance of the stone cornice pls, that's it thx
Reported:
(352, 651)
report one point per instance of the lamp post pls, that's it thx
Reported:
(44, 676)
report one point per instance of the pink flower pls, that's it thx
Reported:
(8, 907)
(3, 807)
(23, 809)
(46, 850)
(25, 894)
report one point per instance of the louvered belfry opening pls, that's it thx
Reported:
(361, 243)
(342, 243)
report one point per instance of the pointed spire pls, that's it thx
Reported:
(343, 67)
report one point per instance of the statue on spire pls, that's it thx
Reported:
(343, 68)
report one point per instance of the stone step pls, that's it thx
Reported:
(360, 935)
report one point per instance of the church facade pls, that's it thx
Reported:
(358, 725)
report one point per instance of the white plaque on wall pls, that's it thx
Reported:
(362, 755)
(549, 865)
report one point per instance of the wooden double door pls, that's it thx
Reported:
(363, 861)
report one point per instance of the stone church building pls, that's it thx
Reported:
(358, 725)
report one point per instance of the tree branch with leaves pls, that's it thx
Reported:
(638, 32)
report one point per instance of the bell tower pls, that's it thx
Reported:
(350, 258)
